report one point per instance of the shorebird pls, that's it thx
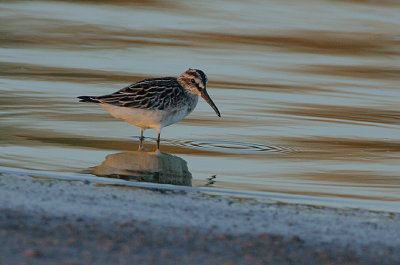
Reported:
(156, 103)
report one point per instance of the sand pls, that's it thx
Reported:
(48, 221)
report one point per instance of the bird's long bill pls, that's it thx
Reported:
(207, 98)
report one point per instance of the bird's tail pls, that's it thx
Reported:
(88, 99)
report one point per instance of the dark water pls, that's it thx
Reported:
(309, 93)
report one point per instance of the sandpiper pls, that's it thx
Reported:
(156, 103)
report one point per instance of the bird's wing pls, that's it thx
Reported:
(147, 94)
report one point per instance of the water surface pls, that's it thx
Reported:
(308, 92)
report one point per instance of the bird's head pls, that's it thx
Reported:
(195, 82)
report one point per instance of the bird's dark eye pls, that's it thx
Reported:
(192, 80)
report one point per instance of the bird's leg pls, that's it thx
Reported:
(141, 139)
(158, 139)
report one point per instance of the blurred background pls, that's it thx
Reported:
(308, 91)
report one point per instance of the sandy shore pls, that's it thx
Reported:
(44, 221)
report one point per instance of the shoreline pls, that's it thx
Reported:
(46, 220)
(317, 201)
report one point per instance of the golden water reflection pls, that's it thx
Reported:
(309, 94)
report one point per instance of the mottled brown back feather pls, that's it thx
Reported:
(151, 94)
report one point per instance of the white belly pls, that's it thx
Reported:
(148, 118)
(139, 117)
(173, 116)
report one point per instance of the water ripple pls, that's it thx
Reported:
(233, 147)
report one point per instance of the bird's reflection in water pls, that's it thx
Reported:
(144, 166)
